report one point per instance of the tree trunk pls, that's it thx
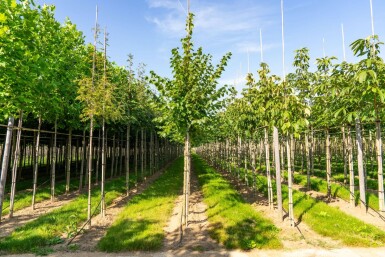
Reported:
(98, 151)
(328, 165)
(103, 203)
(5, 163)
(380, 171)
(351, 167)
(68, 165)
(268, 174)
(278, 172)
(187, 171)
(360, 164)
(83, 161)
(15, 164)
(128, 160)
(90, 173)
(290, 181)
(35, 172)
(53, 166)
(344, 155)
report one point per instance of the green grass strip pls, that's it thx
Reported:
(337, 190)
(327, 220)
(140, 225)
(234, 223)
(49, 228)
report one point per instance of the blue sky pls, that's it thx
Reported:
(149, 29)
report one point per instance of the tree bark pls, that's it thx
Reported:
(361, 174)
(69, 157)
(268, 172)
(35, 172)
(278, 172)
(379, 168)
(15, 164)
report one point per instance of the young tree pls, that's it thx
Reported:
(190, 99)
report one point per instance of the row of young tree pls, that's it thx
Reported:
(341, 98)
(52, 79)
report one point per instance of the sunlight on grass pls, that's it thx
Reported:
(234, 223)
(140, 225)
(48, 229)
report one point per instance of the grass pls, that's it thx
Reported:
(337, 190)
(140, 225)
(326, 220)
(49, 229)
(234, 223)
(24, 198)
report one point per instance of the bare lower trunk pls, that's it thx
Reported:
(83, 161)
(15, 165)
(68, 166)
(351, 170)
(268, 174)
(128, 160)
(103, 203)
(187, 170)
(53, 166)
(379, 170)
(328, 165)
(35, 171)
(90, 174)
(290, 181)
(278, 172)
(4, 166)
(361, 174)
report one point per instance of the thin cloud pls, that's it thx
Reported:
(253, 47)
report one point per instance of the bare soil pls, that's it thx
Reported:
(196, 236)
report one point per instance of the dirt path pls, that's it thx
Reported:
(371, 217)
(300, 237)
(88, 239)
(7, 225)
(196, 236)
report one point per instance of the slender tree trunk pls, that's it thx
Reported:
(290, 181)
(380, 171)
(35, 172)
(344, 151)
(128, 160)
(351, 166)
(5, 163)
(278, 172)
(53, 166)
(308, 164)
(90, 173)
(187, 170)
(268, 172)
(360, 164)
(83, 161)
(68, 166)
(113, 156)
(103, 203)
(15, 164)
(328, 165)
(98, 151)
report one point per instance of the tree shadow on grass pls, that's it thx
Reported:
(131, 235)
(246, 234)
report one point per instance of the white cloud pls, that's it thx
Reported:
(215, 19)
